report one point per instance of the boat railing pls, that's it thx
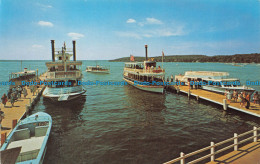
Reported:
(151, 71)
(65, 90)
(62, 74)
(213, 146)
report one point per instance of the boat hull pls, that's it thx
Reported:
(100, 72)
(155, 89)
(70, 97)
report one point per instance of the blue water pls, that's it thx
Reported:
(121, 124)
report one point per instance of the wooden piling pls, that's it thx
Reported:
(14, 122)
(3, 138)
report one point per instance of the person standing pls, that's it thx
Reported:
(25, 92)
(4, 99)
(2, 116)
(12, 98)
(256, 98)
(235, 95)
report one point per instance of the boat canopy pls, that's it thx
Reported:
(205, 73)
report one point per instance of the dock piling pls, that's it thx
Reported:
(224, 104)
(197, 97)
(235, 142)
(3, 137)
(14, 122)
(255, 134)
(182, 160)
(189, 93)
(212, 152)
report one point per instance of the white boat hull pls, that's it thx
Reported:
(63, 94)
(156, 89)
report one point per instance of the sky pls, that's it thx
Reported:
(109, 29)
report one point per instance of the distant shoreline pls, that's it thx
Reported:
(237, 58)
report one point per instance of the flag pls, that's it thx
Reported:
(132, 58)
(162, 53)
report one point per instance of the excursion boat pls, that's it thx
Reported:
(17, 77)
(28, 140)
(214, 81)
(145, 75)
(98, 69)
(63, 75)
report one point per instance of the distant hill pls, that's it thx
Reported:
(237, 58)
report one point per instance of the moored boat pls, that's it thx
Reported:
(145, 75)
(63, 76)
(31, 136)
(98, 69)
(24, 76)
(213, 81)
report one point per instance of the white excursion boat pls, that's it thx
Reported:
(98, 69)
(63, 76)
(145, 75)
(214, 81)
(18, 77)
(30, 138)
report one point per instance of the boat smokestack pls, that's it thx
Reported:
(53, 50)
(74, 49)
(146, 52)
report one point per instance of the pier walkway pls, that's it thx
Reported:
(216, 98)
(19, 110)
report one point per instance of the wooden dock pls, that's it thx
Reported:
(19, 110)
(216, 98)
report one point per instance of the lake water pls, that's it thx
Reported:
(121, 124)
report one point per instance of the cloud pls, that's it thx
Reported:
(129, 34)
(47, 24)
(74, 35)
(44, 6)
(153, 21)
(131, 21)
(37, 46)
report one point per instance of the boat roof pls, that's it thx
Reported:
(134, 63)
(230, 79)
(205, 73)
(23, 73)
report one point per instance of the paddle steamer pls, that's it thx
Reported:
(63, 75)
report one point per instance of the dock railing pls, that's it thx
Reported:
(213, 146)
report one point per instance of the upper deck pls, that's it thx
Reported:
(147, 68)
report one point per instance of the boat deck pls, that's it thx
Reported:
(216, 98)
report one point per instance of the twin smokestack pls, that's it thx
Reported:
(53, 50)
(146, 52)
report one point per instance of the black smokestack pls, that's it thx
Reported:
(146, 52)
(53, 50)
(74, 50)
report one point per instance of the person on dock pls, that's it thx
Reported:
(13, 98)
(171, 78)
(229, 96)
(4, 99)
(9, 94)
(2, 116)
(256, 98)
(19, 89)
(25, 92)
(235, 95)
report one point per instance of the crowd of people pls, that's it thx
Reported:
(243, 97)
(15, 93)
